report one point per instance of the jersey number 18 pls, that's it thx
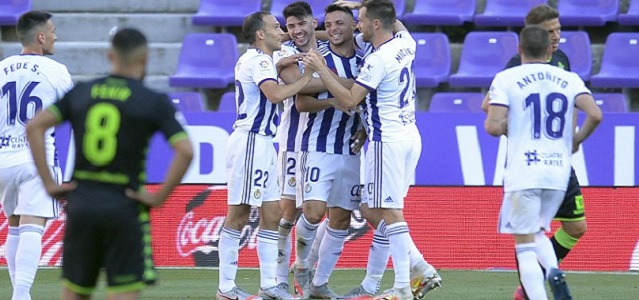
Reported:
(555, 115)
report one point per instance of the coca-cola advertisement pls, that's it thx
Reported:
(454, 227)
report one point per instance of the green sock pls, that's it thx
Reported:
(563, 243)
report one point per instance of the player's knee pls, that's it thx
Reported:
(575, 229)
(341, 224)
(313, 217)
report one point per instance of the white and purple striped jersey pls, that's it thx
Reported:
(289, 132)
(330, 130)
(388, 74)
(28, 84)
(255, 113)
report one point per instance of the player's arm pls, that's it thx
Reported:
(35, 134)
(306, 103)
(485, 103)
(292, 73)
(586, 103)
(496, 123)
(276, 93)
(347, 98)
(398, 26)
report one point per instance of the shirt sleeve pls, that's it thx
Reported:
(62, 108)
(64, 82)
(579, 86)
(372, 72)
(172, 121)
(497, 92)
(263, 69)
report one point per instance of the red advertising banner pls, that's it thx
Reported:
(454, 227)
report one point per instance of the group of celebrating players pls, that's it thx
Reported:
(338, 88)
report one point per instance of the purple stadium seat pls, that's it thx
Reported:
(432, 59)
(225, 12)
(318, 6)
(441, 12)
(611, 102)
(456, 102)
(207, 60)
(587, 12)
(227, 103)
(632, 16)
(619, 66)
(483, 55)
(576, 44)
(506, 12)
(11, 10)
(188, 101)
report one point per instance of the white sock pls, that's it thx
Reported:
(378, 255)
(304, 235)
(27, 259)
(329, 253)
(530, 275)
(228, 251)
(267, 254)
(398, 235)
(418, 265)
(546, 253)
(313, 258)
(11, 246)
(284, 245)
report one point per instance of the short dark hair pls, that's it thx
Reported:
(298, 9)
(127, 41)
(541, 13)
(534, 41)
(383, 10)
(334, 7)
(252, 24)
(29, 21)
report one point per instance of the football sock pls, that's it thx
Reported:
(530, 275)
(562, 242)
(329, 253)
(284, 249)
(304, 236)
(11, 246)
(378, 255)
(545, 253)
(267, 254)
(399, 237)
(228, 250)
(418, 265)
(319, 236)
(27, 258)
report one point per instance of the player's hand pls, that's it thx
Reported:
(575, 146)
(60, 191)
(144, 197)
(358, 140)
(349, 4)
(337, 105)
(314, 60)
(289, 60)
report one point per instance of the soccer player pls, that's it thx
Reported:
(301, 29)
(572, 210)
(29, 82)
(330, 168)
(533, 105)
(252, 164)
(113, 119)
(386, 82)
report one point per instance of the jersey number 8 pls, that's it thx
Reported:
(100, 143)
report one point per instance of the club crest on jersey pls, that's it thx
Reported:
(257, 194)
(308, 188)
(291, 182)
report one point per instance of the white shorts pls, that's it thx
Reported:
(389, 170)
(22, 192)
(289, 175)
(529, 211)
(333, 178)
(250, 169)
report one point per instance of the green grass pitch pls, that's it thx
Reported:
(202, 283)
